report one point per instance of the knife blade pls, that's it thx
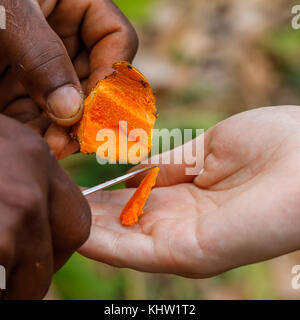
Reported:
(115, 181)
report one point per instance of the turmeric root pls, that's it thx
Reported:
(134, 207)
(123, 96)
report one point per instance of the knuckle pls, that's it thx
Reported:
(35, 145)
(23, 200)
(29, 200)
(85, 227)
(77, 217)
(40, 55)
(82, 228)
(131, 37)
(33, 199)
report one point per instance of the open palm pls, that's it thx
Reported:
(243, 208)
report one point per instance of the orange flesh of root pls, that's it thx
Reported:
(134, 207)
(125, 95)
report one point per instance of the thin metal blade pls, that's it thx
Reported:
(115, 181)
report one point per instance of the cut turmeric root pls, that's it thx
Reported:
(123, 96)
(134, 207)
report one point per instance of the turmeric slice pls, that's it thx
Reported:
(123, 97)
(134, 207)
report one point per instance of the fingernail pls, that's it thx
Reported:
(64, 103)
(197, 180)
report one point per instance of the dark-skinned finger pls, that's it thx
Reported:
(41, 62)
(70, 216)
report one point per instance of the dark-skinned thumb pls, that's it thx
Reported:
(41, 62)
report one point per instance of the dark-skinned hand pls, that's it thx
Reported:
(52, 54)
(43, 216)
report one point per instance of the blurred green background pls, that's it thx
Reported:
(206, 60)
